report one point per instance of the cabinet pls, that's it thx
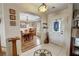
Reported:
(74, 46)
(74, 49)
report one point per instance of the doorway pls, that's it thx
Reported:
(30, 31)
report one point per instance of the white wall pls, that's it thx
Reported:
(2, 29)
(66, 15)
(11, 31)
(43, 31)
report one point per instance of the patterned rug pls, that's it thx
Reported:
(42, 52)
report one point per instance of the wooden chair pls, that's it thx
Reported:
(31, 32)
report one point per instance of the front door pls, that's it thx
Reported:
(57, 34)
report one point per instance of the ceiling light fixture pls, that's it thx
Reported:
(42, 8)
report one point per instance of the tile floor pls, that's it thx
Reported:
(54, 49)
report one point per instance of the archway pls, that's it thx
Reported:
(30, 27)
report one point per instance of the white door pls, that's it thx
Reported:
(57, 37)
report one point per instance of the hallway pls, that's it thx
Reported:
(54, 49)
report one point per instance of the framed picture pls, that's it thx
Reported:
(12, 11)
(12, 17)
(12, 23)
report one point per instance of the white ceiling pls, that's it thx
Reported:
(30, 17)
(34, 8)
(58, 6)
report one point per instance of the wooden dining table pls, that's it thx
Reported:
(28, 36)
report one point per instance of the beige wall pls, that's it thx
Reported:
(66, 15)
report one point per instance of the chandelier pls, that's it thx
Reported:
(42, 8)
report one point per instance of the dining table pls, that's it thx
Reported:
(28, 35)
